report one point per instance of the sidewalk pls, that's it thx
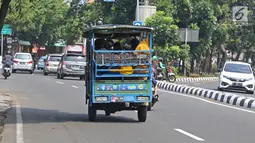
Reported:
(5, 105)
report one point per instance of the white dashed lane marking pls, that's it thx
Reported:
(74, 86)
(189, 134)
(59, 82)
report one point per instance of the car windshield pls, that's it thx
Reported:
(55, 58)
(238, 68)
(22, 56)
(75, 58)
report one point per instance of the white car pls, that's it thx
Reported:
(237, 76)
(23, 62)
(51, 63)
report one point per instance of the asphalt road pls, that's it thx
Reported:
(53, 111)
(212, 85)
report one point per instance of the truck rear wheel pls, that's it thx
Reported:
(92, 113)
(142, 113)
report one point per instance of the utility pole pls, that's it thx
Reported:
(137, 10)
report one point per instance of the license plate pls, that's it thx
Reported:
(237, 84)
(117, 99)
(22, 63)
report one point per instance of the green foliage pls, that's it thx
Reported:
(174, 69)
(38, 21)
(165, 32)
(50, 20)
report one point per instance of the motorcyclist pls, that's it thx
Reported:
(160, 63)
(7, 60)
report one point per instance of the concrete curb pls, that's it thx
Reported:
(191, 79)
(214, 95)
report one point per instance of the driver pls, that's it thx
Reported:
(7, 60)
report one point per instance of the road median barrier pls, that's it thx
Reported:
(224, 97)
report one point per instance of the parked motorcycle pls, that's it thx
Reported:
(7, 71)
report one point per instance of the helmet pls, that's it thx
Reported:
(154, 58)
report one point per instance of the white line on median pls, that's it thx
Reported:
(189, 135)
(74, 86)
(19, 125)
(215, 103)
(59, 82)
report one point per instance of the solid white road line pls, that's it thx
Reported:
(189, 135)
(59, 82)
(215, 103)
(19, 124)
(74, 86)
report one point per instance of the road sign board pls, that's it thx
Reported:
(137, 23)
(6, 30)
(9, 40)
(109, 0)
(240, 13)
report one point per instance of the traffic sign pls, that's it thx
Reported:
(137, 23)
(240, 13)
(109, 0)
(9, 40)
(6, 30)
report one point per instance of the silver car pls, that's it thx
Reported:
(51, 63)
(72, 65)
(23, 62)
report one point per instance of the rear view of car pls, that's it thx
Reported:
(51, 63)
(40, 64)
(23, 62)
(72, 65)
(237, 76)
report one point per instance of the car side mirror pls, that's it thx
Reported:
(219, 70)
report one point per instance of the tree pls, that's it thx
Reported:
(39, 21)
(165, 30)
(3, 11)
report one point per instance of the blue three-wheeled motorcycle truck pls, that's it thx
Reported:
(119, 69)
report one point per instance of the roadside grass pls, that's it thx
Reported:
(198, 75)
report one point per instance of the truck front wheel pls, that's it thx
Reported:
(142, 113)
